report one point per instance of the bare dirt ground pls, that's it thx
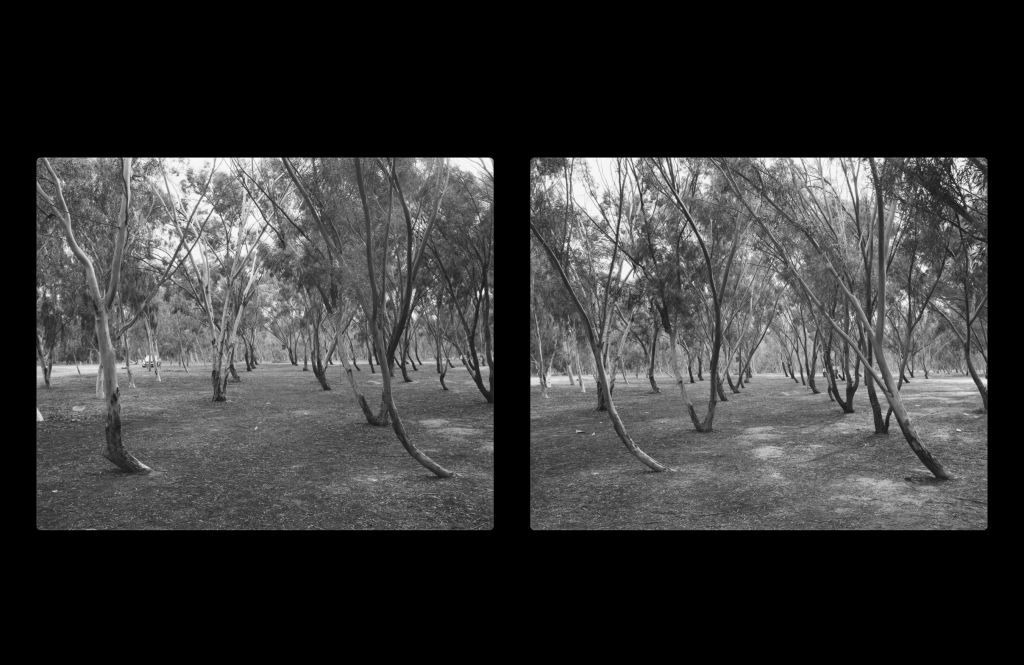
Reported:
(280, 454)
(779, 458)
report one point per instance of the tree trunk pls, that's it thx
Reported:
(720, 390)
(319, 370)
(42, 360)
(579, 365)
(444, 370)
(405, 375)
(700, 370)
(974, 375)
(231, 365)
(568, 360)
(305, 352)
(379, 419)
(679, 377)
(396, 421)
(115, 449)
(154, 347)
(728, 377)
(654, 352)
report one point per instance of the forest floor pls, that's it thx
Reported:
(780, 457)
(281, 453)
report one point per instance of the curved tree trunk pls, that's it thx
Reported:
(679, 377)
(396, 421)
(444, 370)
(982, 388)
(379, 419)
(602, 383)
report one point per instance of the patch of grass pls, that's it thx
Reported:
(779, 458)
(280, 454)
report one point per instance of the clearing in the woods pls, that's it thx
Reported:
(779, 458)
(281, 453)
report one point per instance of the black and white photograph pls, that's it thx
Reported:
(265, 343)
(807, 339)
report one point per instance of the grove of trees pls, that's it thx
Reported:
(234, 262)
(826, 269)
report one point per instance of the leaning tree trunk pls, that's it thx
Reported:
(974, 375)
(379, 419)
(231, 365)
(679, 378)
(602, 383)
(396, 421)
(404, 356)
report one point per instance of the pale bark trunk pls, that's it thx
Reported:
(115, 450)
(42, 360)
(379, 419)
(679, 380)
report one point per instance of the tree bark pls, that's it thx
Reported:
(379, 419)
(654, 351)
(42, 360)
(697, 424)
(101, 303)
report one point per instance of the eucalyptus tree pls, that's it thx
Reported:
(465, 265)
(570, 248)
(956, 208)
(229, 265)
(818, 223)
(710, 213)
(334, 194)
(102, 301)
